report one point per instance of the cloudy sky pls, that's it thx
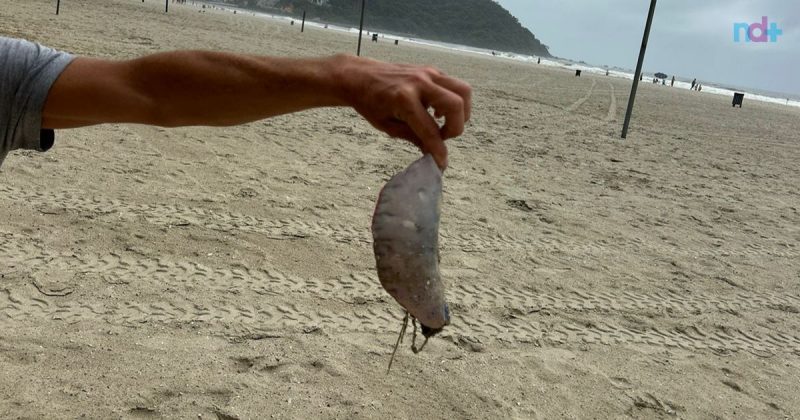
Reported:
(689, 38)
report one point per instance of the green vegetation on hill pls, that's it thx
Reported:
(476, 23)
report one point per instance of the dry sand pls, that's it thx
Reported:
(228, 273)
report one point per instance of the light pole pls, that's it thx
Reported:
(361, 26)
(638, 68)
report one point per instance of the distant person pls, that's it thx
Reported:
(42, 89)
(699, 87)
(672, 83)
(663, 82)
(694, 83)
(641, 77)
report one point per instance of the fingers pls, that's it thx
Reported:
(409, 91)
(427, 131)
(460, 88)
(450, 98)
(399, 129)
(450, 85)
(449, 105)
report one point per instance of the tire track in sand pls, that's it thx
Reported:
(368, 309)
(181, 216)
(612, 106)
(577, 104)
(170, 215)
(365, 286)
(241, 321)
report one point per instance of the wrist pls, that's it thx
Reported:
(343, 75)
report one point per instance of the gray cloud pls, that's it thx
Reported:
(689, 38)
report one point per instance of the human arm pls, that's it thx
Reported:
(184, 88)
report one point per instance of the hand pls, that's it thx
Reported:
(395, 99)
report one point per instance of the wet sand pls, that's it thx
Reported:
(228, 273)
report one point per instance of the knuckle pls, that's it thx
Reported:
(432, 71)
(462, 87)
(467, 90)
(404, 95)
(455, 103)
(458, 102)
(454, 130)
(419, 77)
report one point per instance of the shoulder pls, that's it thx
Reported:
(27, 71)
(15, 49)
(19, 53)
(25, 61)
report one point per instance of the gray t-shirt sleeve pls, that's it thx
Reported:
(27, 71)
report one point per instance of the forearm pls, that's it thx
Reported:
(211, 88)
(190, 88)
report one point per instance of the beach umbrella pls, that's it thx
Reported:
(661, 75)
(638, 68)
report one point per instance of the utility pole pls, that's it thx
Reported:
(58, 6)
(361, 26)
(166, 6)
(638, 74)
(303, 25)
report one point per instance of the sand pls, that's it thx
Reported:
(228, 273)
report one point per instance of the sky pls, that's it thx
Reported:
(689, 38)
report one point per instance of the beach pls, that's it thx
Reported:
(228, 273)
